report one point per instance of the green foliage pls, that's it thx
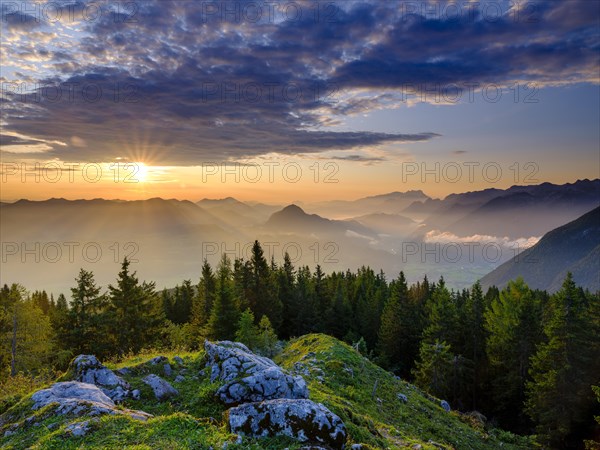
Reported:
(194, 419)
(261, 339)
(267, 339)
(564, 368)
(84, 329)
(344, 381)
(513, 322)
(247, 332)
(178, 337)
(133, 311)
(26, 343)
(493, 353)
(225, 314)
(434, 369)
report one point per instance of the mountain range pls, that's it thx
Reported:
(397, 231)
(574, 247)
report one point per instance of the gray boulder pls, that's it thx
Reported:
(444, 404)
(158, 359)
(79, 429)
(162, 389)
(87, 369)
(74, 397)
(230, 360)
(303, 420)
(167, 370)
(251, 378)
(403, 398)
(268, 384)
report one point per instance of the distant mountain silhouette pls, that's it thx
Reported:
(574, 247)
(292, 218)
(390, 203)
(393, 224)
(520, 211)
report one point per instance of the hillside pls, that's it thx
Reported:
(378, 409)
(570, 248)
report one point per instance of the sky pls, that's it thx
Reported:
(295, 100)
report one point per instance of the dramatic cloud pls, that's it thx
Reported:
(184, 82)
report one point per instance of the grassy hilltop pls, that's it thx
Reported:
(362, 394)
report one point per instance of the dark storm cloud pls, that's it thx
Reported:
(182, 82)
(19, 20)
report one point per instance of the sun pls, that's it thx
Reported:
(142, 172)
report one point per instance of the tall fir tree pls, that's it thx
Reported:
(564, 369)
(392, 336)
(87, 324)
(225, 314)
(134, 312)
(262, 293)
(286, 279)
(203, 300)
(513, 324)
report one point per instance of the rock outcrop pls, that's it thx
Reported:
(162, 389)
(251, 378)
(270, 401)
(77, 398)
(87, 369)
(303, 420)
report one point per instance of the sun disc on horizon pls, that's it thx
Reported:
(141, 174)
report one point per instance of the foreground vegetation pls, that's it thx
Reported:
(361, 393)
(524, 359)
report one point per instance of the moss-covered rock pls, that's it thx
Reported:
(252, 378)
(303, 420)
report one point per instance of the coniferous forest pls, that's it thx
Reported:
(528, 361)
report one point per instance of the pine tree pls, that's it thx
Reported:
(443, 318)
(225, 314)
(392, 332)
(262, 293)
(267, 337)
(513, 323)
(133, 311)
(247, 332)
(304, 321)
(182, 303)
(475, 338)
(286, 279)
(564, 368)
(205, 295)
(85, 331)
(433, 371)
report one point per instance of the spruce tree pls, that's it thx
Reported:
(392, 337)
(513, 324)
(224, 316)
(247, 331)
(433, 371)
(564, 368)
(262, 293)
(286, 279)
(86, 328)
(133, 311)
